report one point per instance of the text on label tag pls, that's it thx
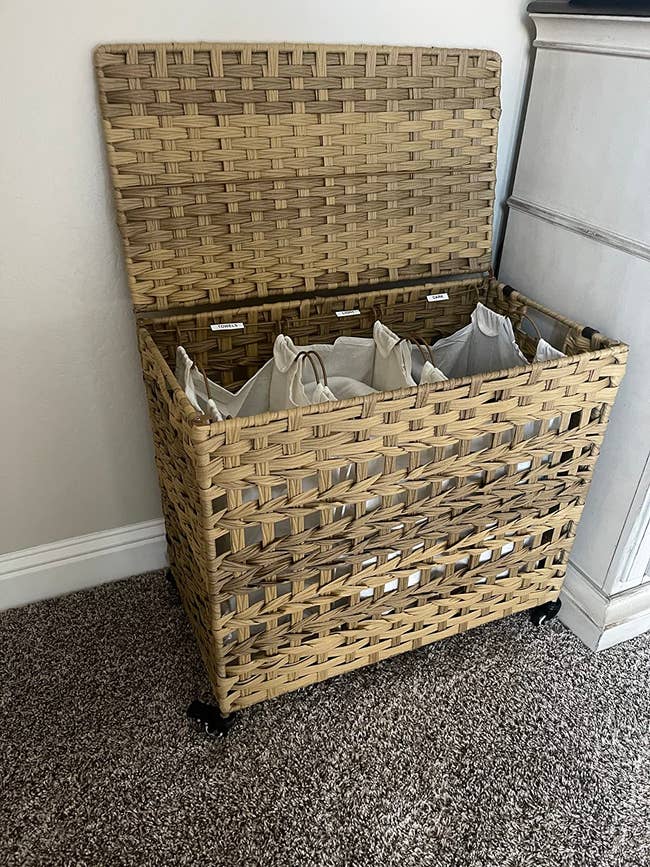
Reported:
(341, 313)
(227, 326)
(442, 296)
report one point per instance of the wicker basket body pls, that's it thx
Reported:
(313, 541)
(275, 186)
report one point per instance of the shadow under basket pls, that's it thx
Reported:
(270, 188)
(313, 541)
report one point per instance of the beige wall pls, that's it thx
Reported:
(74, 439)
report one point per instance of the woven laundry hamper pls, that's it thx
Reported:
(270, 188)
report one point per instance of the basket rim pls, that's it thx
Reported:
(103, 48)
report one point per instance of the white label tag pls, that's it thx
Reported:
(227, 326)
(441, 297)
(341, 313)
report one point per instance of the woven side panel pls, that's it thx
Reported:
(344, 534)
(252, 170)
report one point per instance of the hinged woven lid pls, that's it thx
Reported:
(245, 171)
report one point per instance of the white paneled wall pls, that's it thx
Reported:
(578, 238)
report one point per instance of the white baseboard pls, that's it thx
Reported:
(601, 621)
(85, 561)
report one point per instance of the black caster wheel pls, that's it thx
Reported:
(541, 614)
(208, 717)
(169, 575)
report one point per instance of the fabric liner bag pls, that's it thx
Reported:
(380, 363)
(217, 402)
(501, 346)
(275, 385)
(546, 352)
(291, 378)
(486, 344)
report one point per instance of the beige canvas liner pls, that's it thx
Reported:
(276, 186)
(245, 171)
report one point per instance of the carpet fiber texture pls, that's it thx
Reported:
(509, 746)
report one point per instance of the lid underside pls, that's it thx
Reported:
(244, 171)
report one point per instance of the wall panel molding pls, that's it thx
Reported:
(581, 227)
(578, 239)
(616, 36)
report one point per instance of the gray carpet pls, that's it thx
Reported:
(507, 747)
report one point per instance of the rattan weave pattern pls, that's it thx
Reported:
(295, 536)
(245, 171)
